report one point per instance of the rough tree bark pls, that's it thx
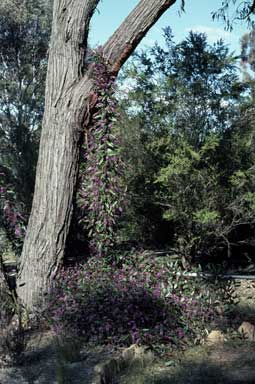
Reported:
(67, 108)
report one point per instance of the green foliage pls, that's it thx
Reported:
(233, 11)
(196, 139)
(24, 34)
(141, 218)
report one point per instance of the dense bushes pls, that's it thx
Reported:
(141, 301)
(190, 151)
(24, 34)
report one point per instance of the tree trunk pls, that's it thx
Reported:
(67, 109)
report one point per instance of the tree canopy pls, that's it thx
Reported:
(194, 115)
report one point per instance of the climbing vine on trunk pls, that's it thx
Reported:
(102, 193)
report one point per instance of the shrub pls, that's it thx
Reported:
(134, 303)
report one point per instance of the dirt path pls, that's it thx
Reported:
(46, 362)
(231, 363)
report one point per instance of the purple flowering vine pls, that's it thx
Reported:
(102, 192)
(131, 304)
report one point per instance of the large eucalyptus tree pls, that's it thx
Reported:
(69, 102)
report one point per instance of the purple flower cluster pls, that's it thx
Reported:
(122, 305)
(101, 194)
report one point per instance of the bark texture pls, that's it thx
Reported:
(67, 109)
(129, 34)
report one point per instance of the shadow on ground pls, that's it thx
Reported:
(204, 373)
(233, 363)
(46, 361)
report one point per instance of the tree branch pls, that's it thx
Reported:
(129, 34)
(252, 8)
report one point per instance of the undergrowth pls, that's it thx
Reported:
(140, 301)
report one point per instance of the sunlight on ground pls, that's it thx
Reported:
(232, 362)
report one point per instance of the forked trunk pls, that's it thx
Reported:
(67, 108)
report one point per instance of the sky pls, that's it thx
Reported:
(197, 17)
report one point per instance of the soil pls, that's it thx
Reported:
(229, 363)
(47, 362)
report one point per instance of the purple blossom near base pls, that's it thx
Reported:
(124, 305)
